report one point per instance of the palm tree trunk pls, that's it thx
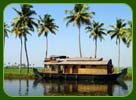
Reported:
(46, 52)
(26, 56)
(119, 55)
(95, 48)
(20, 55)
(79, 42)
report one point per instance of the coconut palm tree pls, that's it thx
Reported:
(18, 32)
(80, 15)
(24, 23)
(118, 32)
(96, 31)
(129, 33)
(6, 30)
(45, 26)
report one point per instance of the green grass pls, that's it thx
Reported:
(129, 72)
(24, 70)
(16, 71)
(13, 73)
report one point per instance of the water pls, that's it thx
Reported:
(66, 88)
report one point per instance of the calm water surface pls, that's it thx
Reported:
(69, 88)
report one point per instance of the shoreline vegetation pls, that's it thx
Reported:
(13, 73)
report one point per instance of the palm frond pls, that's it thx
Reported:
(34, 23)
(17, 11)
(41, 19)
(69, 21)
(14, 20)
(111, 32)
(40, 29)
(96, 30)
(46, 25)
(24, 23)
(71, 12)
(79, 15)
(113, 35)
(112, 26)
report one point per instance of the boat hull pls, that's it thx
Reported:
(79, 76)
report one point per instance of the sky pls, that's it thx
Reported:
(65, 42)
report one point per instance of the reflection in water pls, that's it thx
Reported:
(19, 89)
(57, 87)
(63, 87)
(27, 87)
(26, 90)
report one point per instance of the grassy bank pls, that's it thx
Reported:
(129, 72)
(14, 73)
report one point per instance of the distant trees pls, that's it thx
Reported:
(15, 65)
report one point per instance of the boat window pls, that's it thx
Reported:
(45, 66)
(61, 67)
(93, 66)
(53, 67)
(83, 66)
(74, 66)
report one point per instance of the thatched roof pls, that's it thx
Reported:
(77, 61)
(84, 59)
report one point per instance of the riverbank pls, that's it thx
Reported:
(13, 73)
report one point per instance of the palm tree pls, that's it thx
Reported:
(6, 30)
(96, 31)
(45, 26)
(24, 23)
(129, 34)
(18, 32)
(118, 32)
(79, 16)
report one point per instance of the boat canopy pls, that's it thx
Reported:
(76, 61)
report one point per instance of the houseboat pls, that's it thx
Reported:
(63, 67)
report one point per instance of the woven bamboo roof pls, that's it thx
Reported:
(77, 61)
(83, 59)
